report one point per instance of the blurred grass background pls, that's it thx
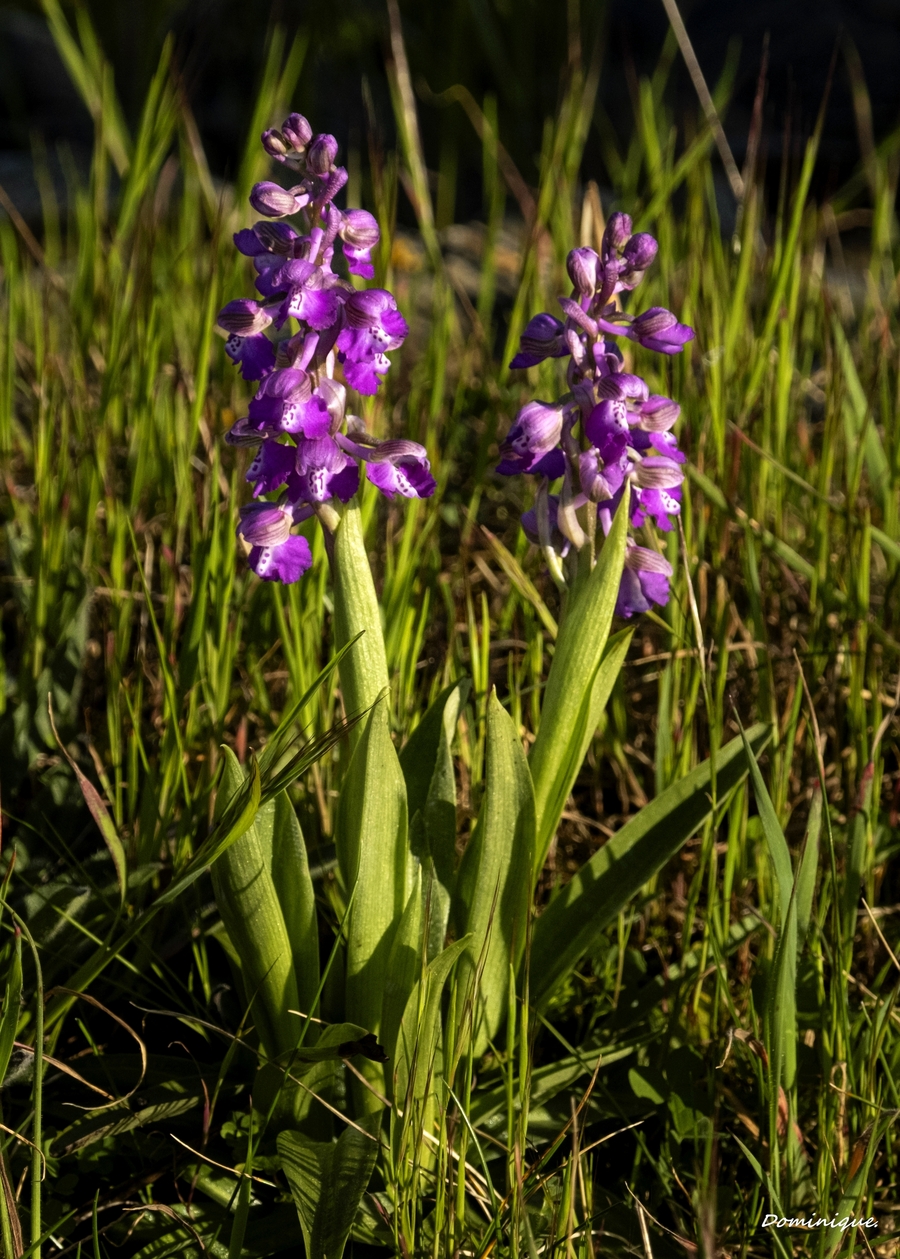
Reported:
(124, 597)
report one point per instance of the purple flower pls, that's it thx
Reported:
(273, 466)
(531, 445)
(601, 479)
(256, 355)
(285, 403)
(395, 467)
(275, 553)
(543, 338)
(266, 238)
(373, 325)
(616, 234)
(606, 428)
(309, 297)
(360, 233)
(660, 506)
(325, 471)
(658, 329)
(645, 581)
(275, 202)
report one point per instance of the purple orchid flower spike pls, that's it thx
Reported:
(275, 554)
(309, 451)
(609, 432)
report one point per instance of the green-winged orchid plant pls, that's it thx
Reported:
(433, 947)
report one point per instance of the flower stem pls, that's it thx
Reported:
(364, 671)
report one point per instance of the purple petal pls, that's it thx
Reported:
(256, 355)
(286, 562)
(271, 468)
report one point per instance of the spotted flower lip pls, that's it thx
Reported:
(396, 466)
(324, 471)
(276, 554)
(273, 466)
(256, 354)
(285, 403)
(373, 325)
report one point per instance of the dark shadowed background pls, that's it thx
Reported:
(515, 50)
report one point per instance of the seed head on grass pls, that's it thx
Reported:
(310, 326)
(626, 432)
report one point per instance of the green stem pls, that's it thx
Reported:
(364, 671)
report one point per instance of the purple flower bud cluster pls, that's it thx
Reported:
(307, 325)
(608, 431)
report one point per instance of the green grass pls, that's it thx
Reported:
(125, 599)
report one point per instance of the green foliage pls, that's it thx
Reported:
(597, 957)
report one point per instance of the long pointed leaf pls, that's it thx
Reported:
(572, 922)
(492, 900)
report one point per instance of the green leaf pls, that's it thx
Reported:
(12, 997)
(419, 1039)
(251, 911)
(774, 835)
(421, 753)
(427, 763)
(327, 1181)
(404, 967)
(568, 705)
(574, 919)
(98, 811)
(809, 865)
(289, 868)
(375, 864)
(492, 901)
(586, 722)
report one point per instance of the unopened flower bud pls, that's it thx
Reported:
(618, 230)
(243, 317)
(274, 144)
(582, 265)
(296, 131)
(321, 154)
(274, 201)
(640, 251)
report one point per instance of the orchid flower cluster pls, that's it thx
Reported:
(626, 432)
(339, 328)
